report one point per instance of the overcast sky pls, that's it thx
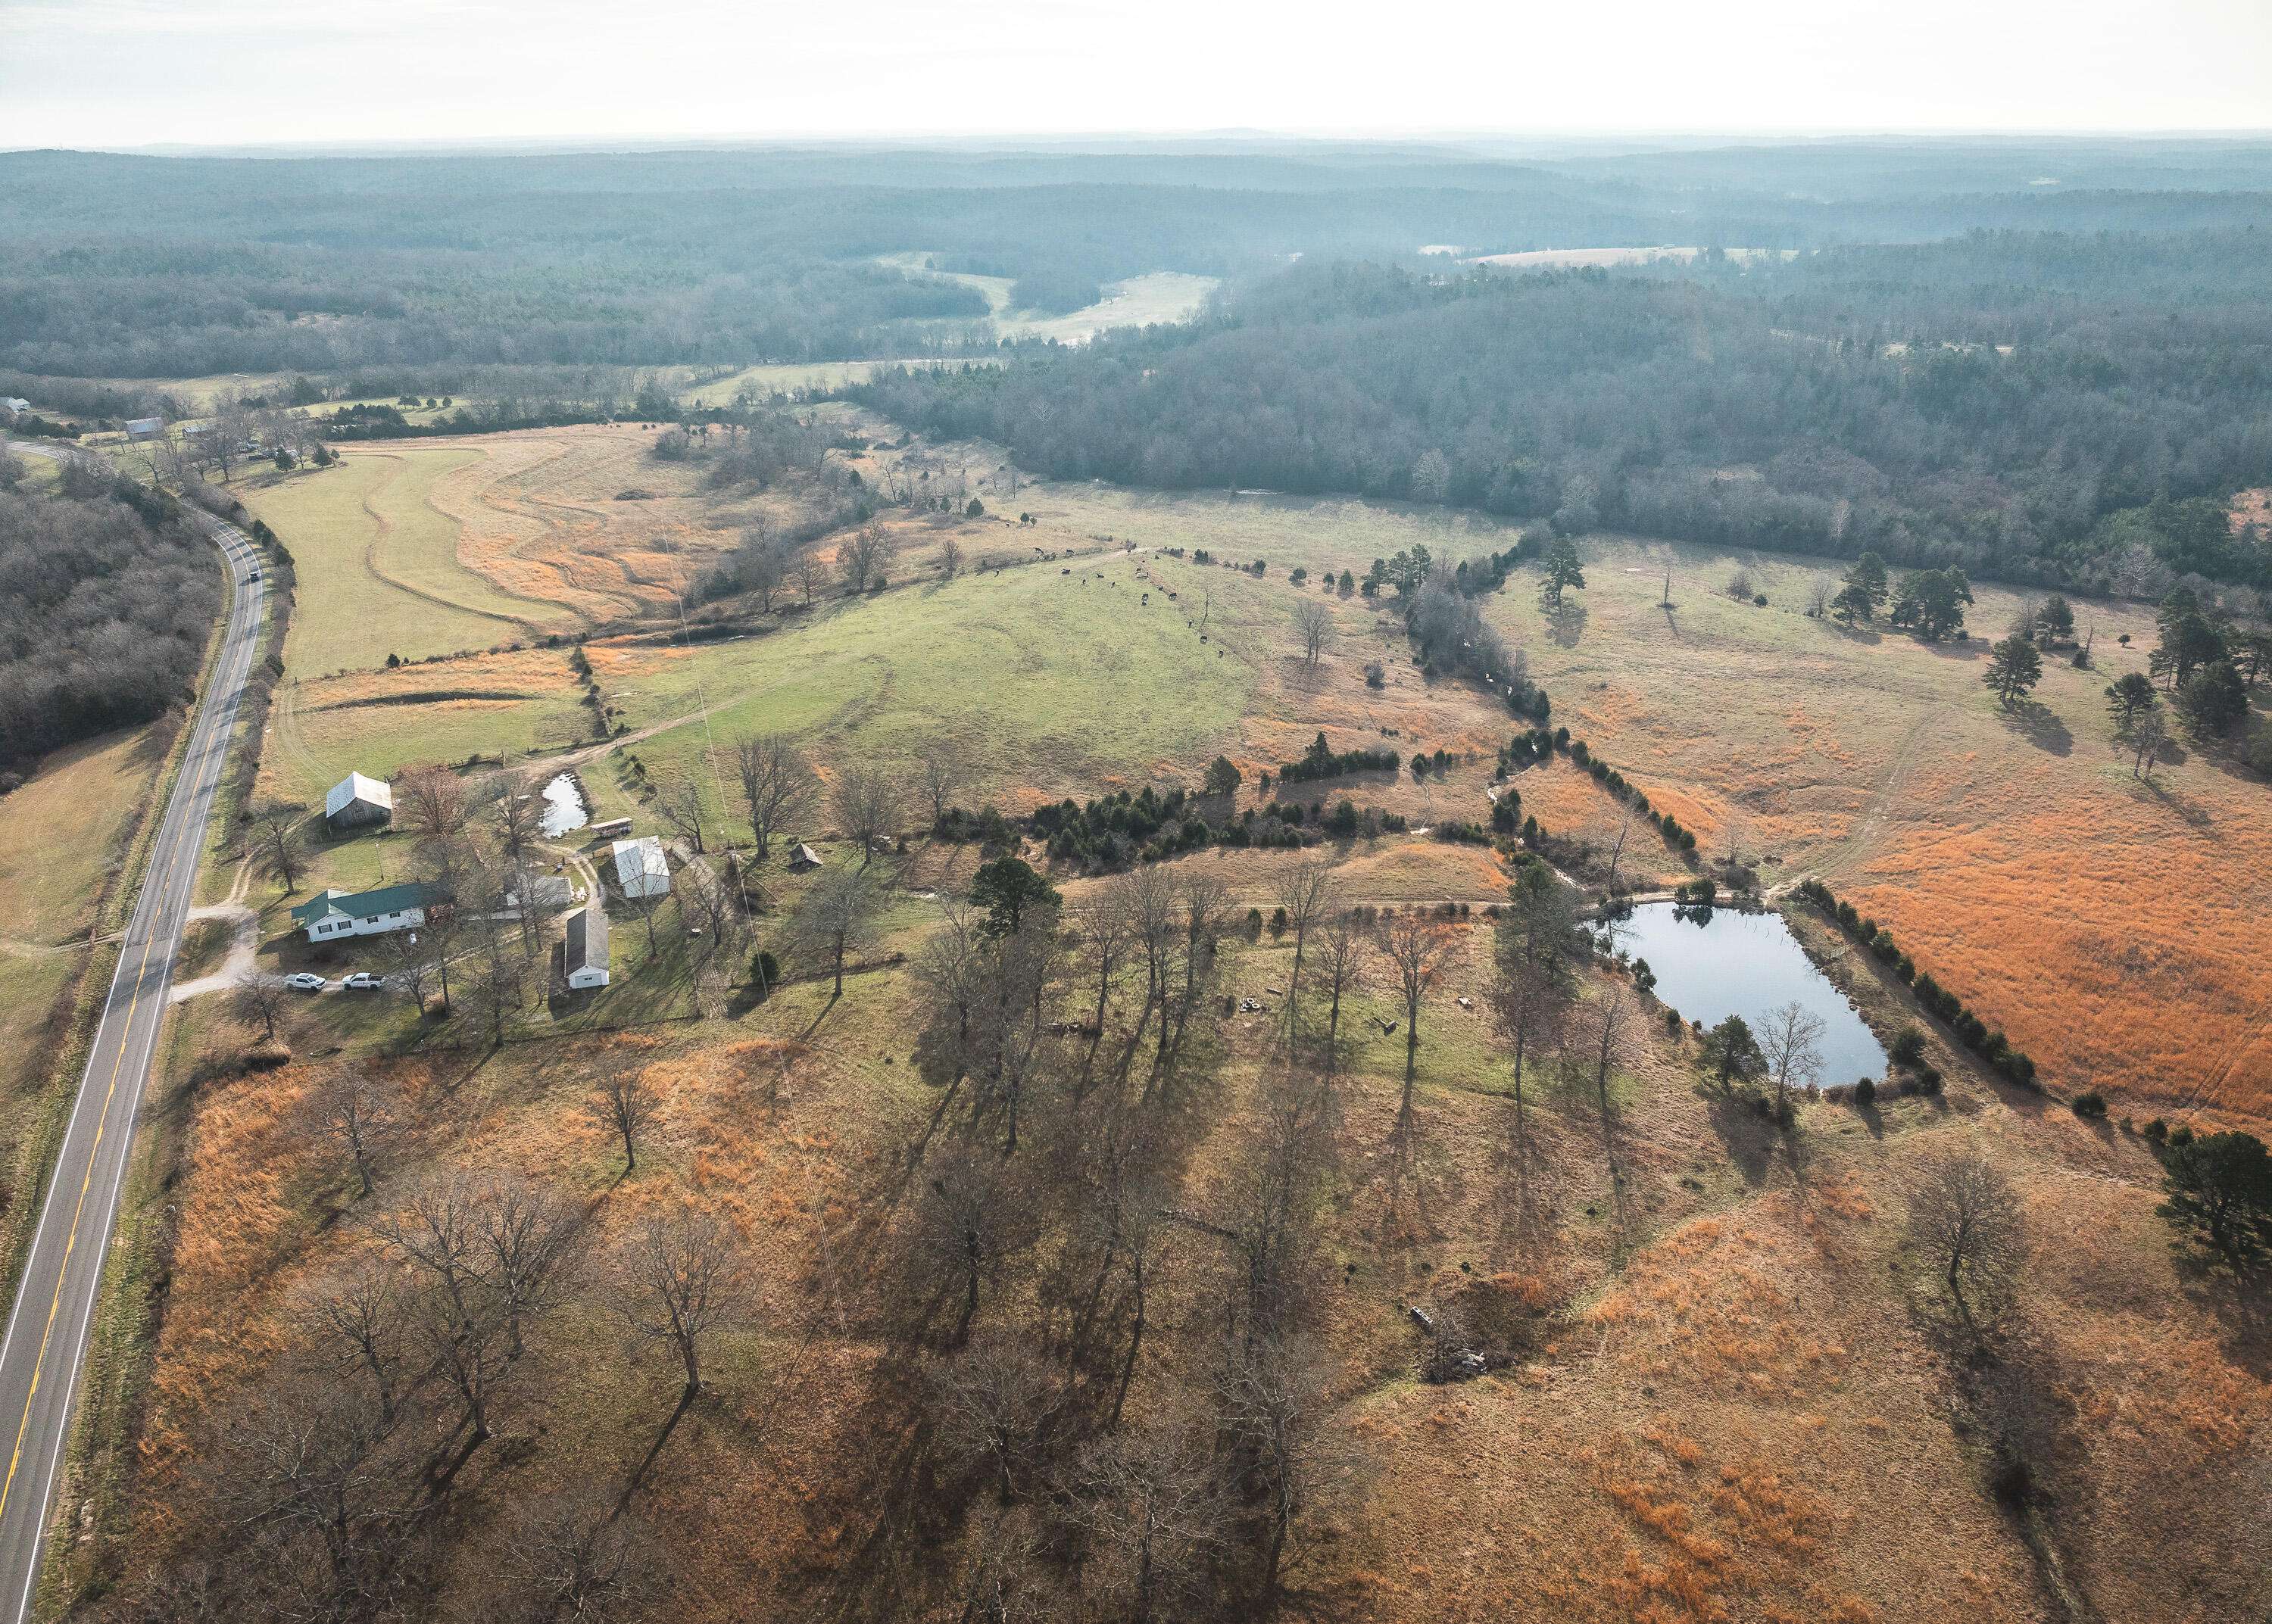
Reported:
(131, 72)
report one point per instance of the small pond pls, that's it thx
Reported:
(563, 806)
(1712, 963)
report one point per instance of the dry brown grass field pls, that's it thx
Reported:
(1729, 1391)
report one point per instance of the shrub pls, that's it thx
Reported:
(2157, 1130)
(1277, 921)
(1907, 1048)
(1760, 599)
(1928, 1080)
(1865, 1092)
(2091, 1106)
(1374, 676)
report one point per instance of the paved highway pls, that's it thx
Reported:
(53, 1317)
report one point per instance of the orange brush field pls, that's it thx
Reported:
(2014, 856)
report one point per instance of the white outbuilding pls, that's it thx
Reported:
(355, 800)
(641, 868)
(584, 956)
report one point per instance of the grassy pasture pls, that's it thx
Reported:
(1052, 682)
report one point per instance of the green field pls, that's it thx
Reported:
(1043, 682)
(1138, 301)
(378, 566)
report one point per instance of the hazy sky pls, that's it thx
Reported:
(131, 72)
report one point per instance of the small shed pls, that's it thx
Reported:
(144, 427)
(14, 403)
(356, 801)
(641, 868)
(584, 958)
(612, 828)
(803, 857)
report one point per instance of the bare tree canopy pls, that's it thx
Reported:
(1314, 623)
(1964, 1218)
(866, 807)
(777, 784)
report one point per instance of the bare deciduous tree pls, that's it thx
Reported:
(1153, 1502)
(1276, 1410)
(1792, 1041)
(865, 557)
(835, 919)
(679, 803)
(429, 804)
(261, 1001)
(622, 1104)
(809, 574)
(1415, 948)
(1343, 940)
(1964, 1217)
(865, 806)
(1313, 623)
(1305, 892)
(997, 1399)
(278, 836)
(942, 774)
(683, 1265)
(950, 558)
(361, 1125)
(777, 784)
(355, 1321)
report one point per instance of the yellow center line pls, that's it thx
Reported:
(71, 1241)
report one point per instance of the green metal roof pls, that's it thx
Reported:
(358, 904)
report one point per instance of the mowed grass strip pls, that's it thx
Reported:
(378, 568)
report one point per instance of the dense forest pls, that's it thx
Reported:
(107, 598)
(2030, 406)
(116, 266)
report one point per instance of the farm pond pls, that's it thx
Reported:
(564, 806)
(1712, 963)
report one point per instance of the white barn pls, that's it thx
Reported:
(641, 868)
(355, 800)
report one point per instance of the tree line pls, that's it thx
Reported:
(2054, 430)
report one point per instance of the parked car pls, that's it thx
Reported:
(363, 981)
(303, 982)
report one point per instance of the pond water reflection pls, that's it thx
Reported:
(1712, 963)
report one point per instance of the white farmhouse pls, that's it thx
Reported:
(641, 868)
(355, 800)
(329, 915)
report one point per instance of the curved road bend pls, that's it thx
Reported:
(53, 1317)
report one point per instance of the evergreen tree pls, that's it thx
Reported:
(2129, 696)
(1562, 570)
(2013, 670)
(2213, 699)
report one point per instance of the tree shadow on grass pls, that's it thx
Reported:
(2040, 725)
(1750, 1138)
(1566, 625)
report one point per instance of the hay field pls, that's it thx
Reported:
(378, 722)
(380, 568)
(439, 546)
